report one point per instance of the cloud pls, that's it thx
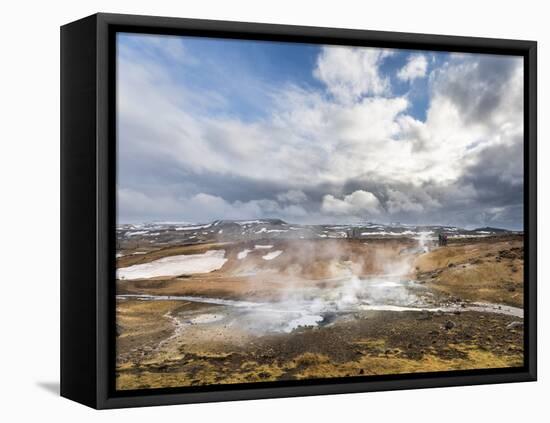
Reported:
(350, 73)
(484, 90)
(200, 207)
(333, 151)
(292, 196)
(416, 67)
(355, 204)
(399, 201)
(155, 47)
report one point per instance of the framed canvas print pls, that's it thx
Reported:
(254, 211)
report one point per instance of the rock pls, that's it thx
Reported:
(425, 316)
(449, 324)
(514, 253)
(361, 372)
(514, 325)
(451, 265)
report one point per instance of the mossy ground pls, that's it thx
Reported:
(151, 353)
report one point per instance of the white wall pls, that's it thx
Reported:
(29, 173)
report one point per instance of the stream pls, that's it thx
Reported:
(316, 306)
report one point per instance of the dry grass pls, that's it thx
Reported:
(315, 366)
(320, 367)
(476, 272)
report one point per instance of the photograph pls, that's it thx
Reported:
(291, 211)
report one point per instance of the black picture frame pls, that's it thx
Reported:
(88, 159)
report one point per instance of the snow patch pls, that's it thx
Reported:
(248, 222)
(262, 247)
(175, 265)
(242, 254)
(193, 228)
(129, 234)
(272, 255)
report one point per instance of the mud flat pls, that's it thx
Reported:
(293, 309)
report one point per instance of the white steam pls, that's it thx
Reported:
(319, 283)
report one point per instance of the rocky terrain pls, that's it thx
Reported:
(236, 302)
(162, 234)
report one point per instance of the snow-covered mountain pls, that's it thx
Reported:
(238, 230)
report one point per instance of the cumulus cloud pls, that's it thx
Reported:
(200, 207)
(486, 90)
(343, 149)
(416, 67)
(350, 73)
(399, 201)
(292, 196)
(358, 203)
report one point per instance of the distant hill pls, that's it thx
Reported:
(490, 229)
(170, 233)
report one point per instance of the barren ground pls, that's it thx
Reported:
(246, 330)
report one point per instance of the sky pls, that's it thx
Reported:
(235, 129)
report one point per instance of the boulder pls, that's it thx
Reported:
(514, 325)
(449, 324)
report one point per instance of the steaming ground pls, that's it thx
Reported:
(269, 307)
